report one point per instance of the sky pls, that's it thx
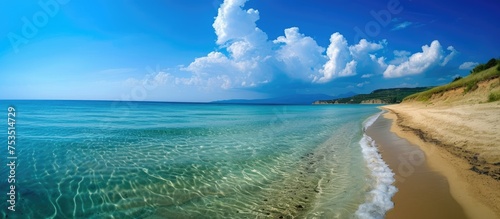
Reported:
(202, 50)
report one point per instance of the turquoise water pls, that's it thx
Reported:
(97, 159)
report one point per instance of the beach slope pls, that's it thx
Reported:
(459, 131)
(463, 144)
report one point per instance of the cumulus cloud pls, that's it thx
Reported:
(233, 23)
(214, 63)
(247, 48)
(344, 60)
(380, 63)
(300, 55)
(246, 58)
(419, 62)
(251, 59)
(218, 69)
(339, 62)
(364, 47)
(468, 65)
(237, 31)
(450, 56)
(400, 56)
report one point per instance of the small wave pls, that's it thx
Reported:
(378, 200)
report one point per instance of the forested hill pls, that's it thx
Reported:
(381, 96)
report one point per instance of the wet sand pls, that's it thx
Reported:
(423, 193)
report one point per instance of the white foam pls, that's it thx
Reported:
(378, 200)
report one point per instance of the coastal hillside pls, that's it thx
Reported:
(482, 85)
(381, 96)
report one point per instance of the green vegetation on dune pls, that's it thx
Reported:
(382, 96)
(469, 83)
(494, 96)
(481, 67)
(456, 79)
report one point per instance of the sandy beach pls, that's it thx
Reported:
(423, 192)
(461, 143)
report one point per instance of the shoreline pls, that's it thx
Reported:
(476, 193)
(422, 192)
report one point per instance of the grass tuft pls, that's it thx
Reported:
(470, 86)
(494, 96)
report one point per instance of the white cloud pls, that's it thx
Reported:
(402, 25)
(300, 55)
(339, 62)
(237, 31)
(246, 58)
(380, 61)
(362, 84)
(343, 59)
(213, 64)
(234, 23)
(191, 81)
(218, 69)
(364, 53)
(364, 47)
(239, 49)
(226, 81)
(251, 59)
(452, 54)
(418, 62)
(247, 47)
(150, 80)
(400, 56)
(468, 65)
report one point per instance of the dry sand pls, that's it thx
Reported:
(460, 142)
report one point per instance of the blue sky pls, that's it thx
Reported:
(198, 50)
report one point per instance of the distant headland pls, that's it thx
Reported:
(380, 96)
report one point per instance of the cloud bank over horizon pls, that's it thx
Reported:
(246, 58)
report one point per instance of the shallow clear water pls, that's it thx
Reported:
(95, 159)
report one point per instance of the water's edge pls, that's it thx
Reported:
(378, 199)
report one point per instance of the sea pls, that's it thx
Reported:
(112, 159)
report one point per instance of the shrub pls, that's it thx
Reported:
(490, 63)
(456, 79)
(470, 86)
(478, 68)
(481, 67)
(494, 96)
